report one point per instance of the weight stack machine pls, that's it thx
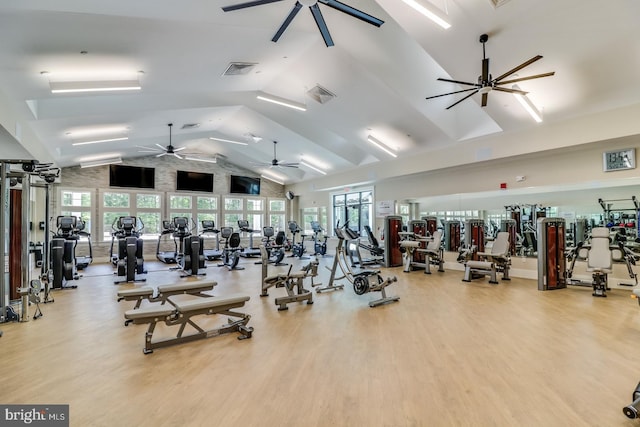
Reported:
(511, 227)
(552, 264)
(432, 223)
(474, 236)
(451, 236)
(419, 227)
(392, 254)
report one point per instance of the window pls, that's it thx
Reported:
(233, 211)
(308, 215)
(145, 206)
(195, 207)
(357, 208)
(404, 212)
(277, 213)
(78, 204)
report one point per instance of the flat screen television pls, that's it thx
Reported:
(131, 176)
(194, 181)
(244, 185)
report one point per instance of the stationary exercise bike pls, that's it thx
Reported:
(274, 248)
(297, 249)
(191, 248)
(319, 248)
(231, 250)
(130, 262)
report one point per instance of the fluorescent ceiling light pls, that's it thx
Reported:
(96, 86)
(272, 179)
(102, 162)
(428, 13)
(97, 141)
(303, 163)
(202, 159)
(228, 140)
(381, 146)
(282, 101)
(528, 105)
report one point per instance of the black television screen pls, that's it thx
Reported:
(131, 176)
(244, 185)
(194, 181)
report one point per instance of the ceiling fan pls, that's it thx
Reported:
(161, 151)
(275, 163)
(315, 11)
(486, 83)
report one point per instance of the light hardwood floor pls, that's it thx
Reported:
(448, 353)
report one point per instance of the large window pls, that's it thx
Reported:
(195, 207)
(145, 206)
(356, 207)
(277, 213)
(78, 204)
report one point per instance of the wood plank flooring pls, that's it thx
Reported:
(448, 353)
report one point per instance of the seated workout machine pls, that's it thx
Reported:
(209, 227)
(319, 248)
(297, 249)
(633, 410)
(363, 280)
(190, 248)
(63, 260)
(180, 312)
(489, 263)
(292, 282)
(130, 262)
(232, 249)
(167, 257)
(274, 248)
(249, 252)
(433, 253)
(355, 243)
(599, 260)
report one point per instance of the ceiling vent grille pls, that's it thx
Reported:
(239, 68)
(497, 3)
(320, 94)
(190, 126)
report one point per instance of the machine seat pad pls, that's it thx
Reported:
(293, 275)
(480, 265)
(136, 292)
(153, 311)
(187, 287)
(185, 306)
(409, 244)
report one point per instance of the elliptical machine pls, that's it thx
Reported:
(319, 248)
(63, 260)
(231, 250)
(130, 262)
(191, 248)
(297, 249)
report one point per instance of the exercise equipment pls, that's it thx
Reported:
(167, 257)
(209, 227)
(319, 248)
(130, 261)
(63, 262)
(292, 282)
(452, 236)
(552, 264)
(274, 248)
(191, 259)
(82, 261)
(33, 295)
(363, 280)
(181, 310)
(392, 254)
(232, 249)
(243, 226)
(490, 263)
(354, 244)
(297, 249)
(417, 255)
(633, 410)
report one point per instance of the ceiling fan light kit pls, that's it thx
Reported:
(486, 83)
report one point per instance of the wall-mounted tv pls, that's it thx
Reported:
(194, 181)
(244, 185)
(131, 176)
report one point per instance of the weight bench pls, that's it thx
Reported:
(182, 309)
(165, 291)
(491, 262)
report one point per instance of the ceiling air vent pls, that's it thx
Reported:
(497, 3)
(321, 94)
(239, 68)
(190, 126)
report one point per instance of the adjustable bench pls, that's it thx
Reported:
(165, 291)
(182, 309)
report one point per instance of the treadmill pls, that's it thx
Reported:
(209, 227)
(83, 261)
(249, 252)
(167, 257)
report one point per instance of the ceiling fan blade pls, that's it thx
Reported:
(485, 70)
(459, 82)
(505, 89)
(161, 154)
(176, 155)
(353, 12)
(162, 147)
(458, 102)
(247, 4)
(288, 165)
(178, 149)
(537, 76)
(287, 21)
(322, 25)
(518, 68)
(485, 96)
(451, 93)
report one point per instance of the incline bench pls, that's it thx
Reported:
(180, 312)
(165, 291)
